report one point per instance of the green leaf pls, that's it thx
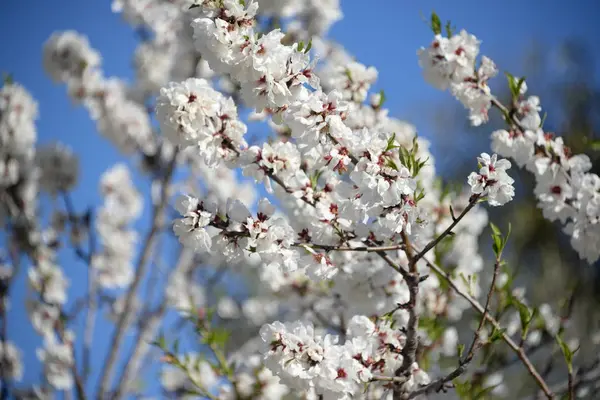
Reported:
(390, 163)
(161, 342)
(519, 85)
(567, 353)
(217, 337)
(498, 240)
(496, 334)
(594, 144)
(449, 29)
(512, 85)
(382, 98)
(524, 314)
(308, 46)
(300, 46)
(390, 143)
(460, 349)
(436, 24)
(495, 229)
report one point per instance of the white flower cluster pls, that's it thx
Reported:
(308, 360)
(280, 159)
(18, 112)
(565, 189)
(11, 366)
(58, 361)
(122, 205)
(236, 234)
(59, 168)
(198, 373)
(270, 74)
(253, 380)
(47, 279)
(492, 181)
(450, 63)
(192, 113)
(18, 174)
(69, 59)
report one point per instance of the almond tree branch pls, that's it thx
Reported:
(409, 351)
(158, 213)
(367, 249)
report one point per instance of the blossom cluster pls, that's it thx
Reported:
(308, 360)
(18, 112)
(192, 113)
(565, 189)
(69, 59)
(122, 205)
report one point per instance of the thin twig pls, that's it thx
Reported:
(472, 202)
(367, 249)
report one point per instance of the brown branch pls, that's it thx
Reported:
(367, 249)
(409, 351)
(157, 220)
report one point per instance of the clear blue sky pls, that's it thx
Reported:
(383, 33)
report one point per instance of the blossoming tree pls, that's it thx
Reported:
(359, 265)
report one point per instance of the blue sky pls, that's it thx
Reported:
(383, 33)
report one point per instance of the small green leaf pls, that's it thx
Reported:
(300, 46)
(449, 29)
(460, 349)
(519, 85)
(308, 46)
(524, 314)
(594, 144)
(495, 229)
(567, 353)
(382, 98)
(436, 24)
(496, 335)
(390, 142)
